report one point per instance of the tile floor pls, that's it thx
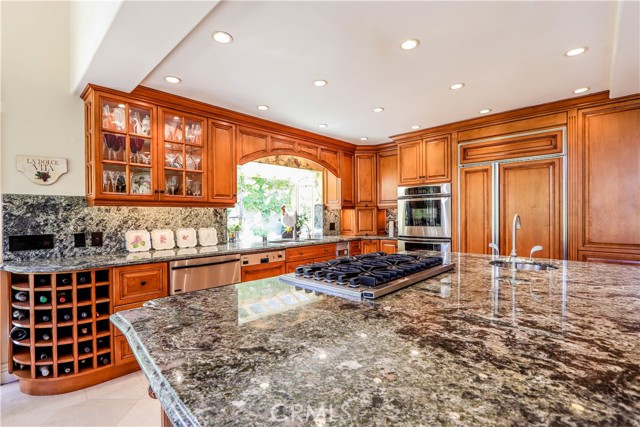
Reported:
(119, 402)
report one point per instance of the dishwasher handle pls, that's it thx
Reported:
(182, 267)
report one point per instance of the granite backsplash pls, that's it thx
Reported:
(331, 216)
(65, 215)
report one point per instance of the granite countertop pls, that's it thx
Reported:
(52, 265)
(475, 346)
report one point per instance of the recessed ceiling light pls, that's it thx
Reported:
(378, 110)
(121, 105)
(456, 86)
(364, 138)
(262, 107)
(581, 90)
(176, 118)
(222, 37)
(322, 125)
(172, 79)
(409, 44)
(485, 111)
(577, 51)
(416, 127)
(320, 83)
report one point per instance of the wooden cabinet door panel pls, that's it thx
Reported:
(347, 221)
(369, 246)
(330, 157)
(609, 258)
(331, 189)
(437, 159)
(123, 353)
(410, 163)
(347, 179)
(139, 283)
(610, 165)
(366, 223)
(355, 248)
(365, 179)
(222, 170)
(262, 271)
(475, 209)
(388, 179)
(389, 246)
(310, 252)
(534, 191)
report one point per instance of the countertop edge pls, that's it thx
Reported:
(119, 259)
(171, 404)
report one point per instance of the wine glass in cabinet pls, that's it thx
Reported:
(183, 156)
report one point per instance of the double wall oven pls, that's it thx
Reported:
(424, 218)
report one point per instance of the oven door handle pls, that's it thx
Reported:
(425, 199)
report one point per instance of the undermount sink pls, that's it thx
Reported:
(520, 265)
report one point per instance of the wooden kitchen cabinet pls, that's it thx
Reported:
(370, 246)
(355, 247)
(308, 254)
(475, 197)
(366, 221)
(387, 179)
(347, 179)
(607, 187)
(183, 157)
(121, 150)
(532, 189)
(389, 246)
(348, 222)
(136, 283)
(425, 161)
(262, 271)
(223, 172)
(331, 187)
(365, 172)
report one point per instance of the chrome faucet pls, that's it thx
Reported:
(516, 225)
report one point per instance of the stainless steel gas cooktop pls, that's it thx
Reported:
(367, 276)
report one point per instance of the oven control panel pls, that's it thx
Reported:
(262, 258)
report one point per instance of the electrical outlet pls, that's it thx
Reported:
(79, 240)
(96, 238)
(332, 226)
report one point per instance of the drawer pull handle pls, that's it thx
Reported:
(143, 283)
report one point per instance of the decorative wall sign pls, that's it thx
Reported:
(42, 170)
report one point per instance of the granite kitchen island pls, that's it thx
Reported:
(478, 345)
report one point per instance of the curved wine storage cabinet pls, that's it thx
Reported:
(61, 338)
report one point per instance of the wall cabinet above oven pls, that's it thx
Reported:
(425, 161)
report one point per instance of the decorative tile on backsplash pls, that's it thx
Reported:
(392, 215)
(65, 215)
(331, 216)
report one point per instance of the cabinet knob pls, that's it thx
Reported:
(156, 191)
(143, 283)
(162, 191)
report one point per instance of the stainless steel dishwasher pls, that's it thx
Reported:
(201, 273)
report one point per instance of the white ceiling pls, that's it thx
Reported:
(508, 54)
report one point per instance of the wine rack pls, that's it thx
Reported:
(60, 324)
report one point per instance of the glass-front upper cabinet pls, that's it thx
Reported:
(126, 141)
(183, 156)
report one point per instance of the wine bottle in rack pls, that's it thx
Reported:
(84, 330)
(45, 317)
(43, 355)
(104, 359)
(62, 297)
(45, 336)
(84, 314)
(43, 299)
(83, 363)
(19, 314)
(82, 278)
(43, 280)
(66, 280)
(102, 342)
(17, 333)
(86, 348)
(21, 296)
(44, 371)
(65, 369)
(65, 316)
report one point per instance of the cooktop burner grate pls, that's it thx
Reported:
(367, 276)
